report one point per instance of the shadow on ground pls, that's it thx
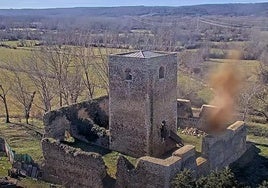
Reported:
(251, 169)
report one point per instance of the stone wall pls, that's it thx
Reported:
(225, 148)
(72, 167)
(78, 120)
(217, 152)
(164, 105)
(154, 172)
(187, 117)
(184, 108)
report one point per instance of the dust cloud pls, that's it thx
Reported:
(226, 83)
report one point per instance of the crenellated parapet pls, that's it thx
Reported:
(218, 151)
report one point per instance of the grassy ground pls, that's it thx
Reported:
(261, 143)
(258, 134)
(22, 141)
(110, 160)
(31, 183)
(194, 87)
(192, 140)
(247, 68)
(4, 164)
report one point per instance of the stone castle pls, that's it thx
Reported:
(140, 119)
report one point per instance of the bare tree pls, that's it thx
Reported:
(21, 92)
(101, 67)
(245, 99)
(254, 99)
(3, 96)
(58, 58)
(74, 84)
(36, 68)
(84, 59)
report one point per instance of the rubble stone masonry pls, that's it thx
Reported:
(72, 167)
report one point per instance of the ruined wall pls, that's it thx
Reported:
(77, 119)
(138, 106)
(186, 117)
(72, 167)
(154, 172)
(225, 148)
(184, 108)
(199, 119)
(218, 151)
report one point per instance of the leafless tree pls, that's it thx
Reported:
(58, 59)
(85, 59)
(101, 66)
(3, 96)
(36, 68)
(21, 92)
(254, 99)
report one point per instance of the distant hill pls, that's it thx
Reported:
(257, 9)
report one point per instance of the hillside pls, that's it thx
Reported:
(258, 9)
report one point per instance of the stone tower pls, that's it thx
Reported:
(142, 102)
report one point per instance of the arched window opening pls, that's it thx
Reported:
(161, 72)
(128, 74)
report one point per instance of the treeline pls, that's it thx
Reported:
(246, 9)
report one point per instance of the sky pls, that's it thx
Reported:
(6, 4)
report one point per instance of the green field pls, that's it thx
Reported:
(19, 57)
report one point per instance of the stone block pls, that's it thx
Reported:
(206, 110)
(237, 126)
(184, 109)
(185, 152)
(202, 166)
(188, 156)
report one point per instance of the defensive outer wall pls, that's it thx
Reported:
(73, 167)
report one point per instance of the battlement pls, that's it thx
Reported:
(218, 151)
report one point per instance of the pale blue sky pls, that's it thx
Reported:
(108, 3)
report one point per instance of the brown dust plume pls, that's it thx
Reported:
(226, 82)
